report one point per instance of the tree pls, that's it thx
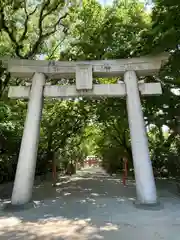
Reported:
(106, 33)
(72, 129)
(26, 28)
(26, 31)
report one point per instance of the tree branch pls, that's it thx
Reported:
(10, 34)
(26, 21)
(114, 136)
(43, 36)
(52, 53)
(75, 128)
(41, 17)
(5, 83)
(118, 132)
(51, 10)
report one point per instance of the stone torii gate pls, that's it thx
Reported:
(84, 71)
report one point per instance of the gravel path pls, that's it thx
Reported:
(92, 205)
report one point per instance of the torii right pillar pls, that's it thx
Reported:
(145, 183)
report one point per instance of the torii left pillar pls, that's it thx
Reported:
(22, 191)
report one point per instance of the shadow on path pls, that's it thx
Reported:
(91, 205)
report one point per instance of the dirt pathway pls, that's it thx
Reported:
(92, 205)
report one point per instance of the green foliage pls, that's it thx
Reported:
(165, 24)
(112, 32)
(11, 127)
(26, 29)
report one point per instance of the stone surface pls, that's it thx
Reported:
(29, 145)
(144, 66)
(15, 208)
(84, 77)
(149, 89)
(145, 185)
(92, 205)
(99, 90)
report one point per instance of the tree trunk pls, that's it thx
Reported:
(54, 170)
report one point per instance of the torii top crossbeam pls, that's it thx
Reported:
(143, 66)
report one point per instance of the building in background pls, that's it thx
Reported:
(92, 161)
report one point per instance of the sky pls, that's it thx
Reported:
(110, 1)
(148, 5)
(105, 1)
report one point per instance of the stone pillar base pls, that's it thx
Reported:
(9, 207)
(149, 206)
